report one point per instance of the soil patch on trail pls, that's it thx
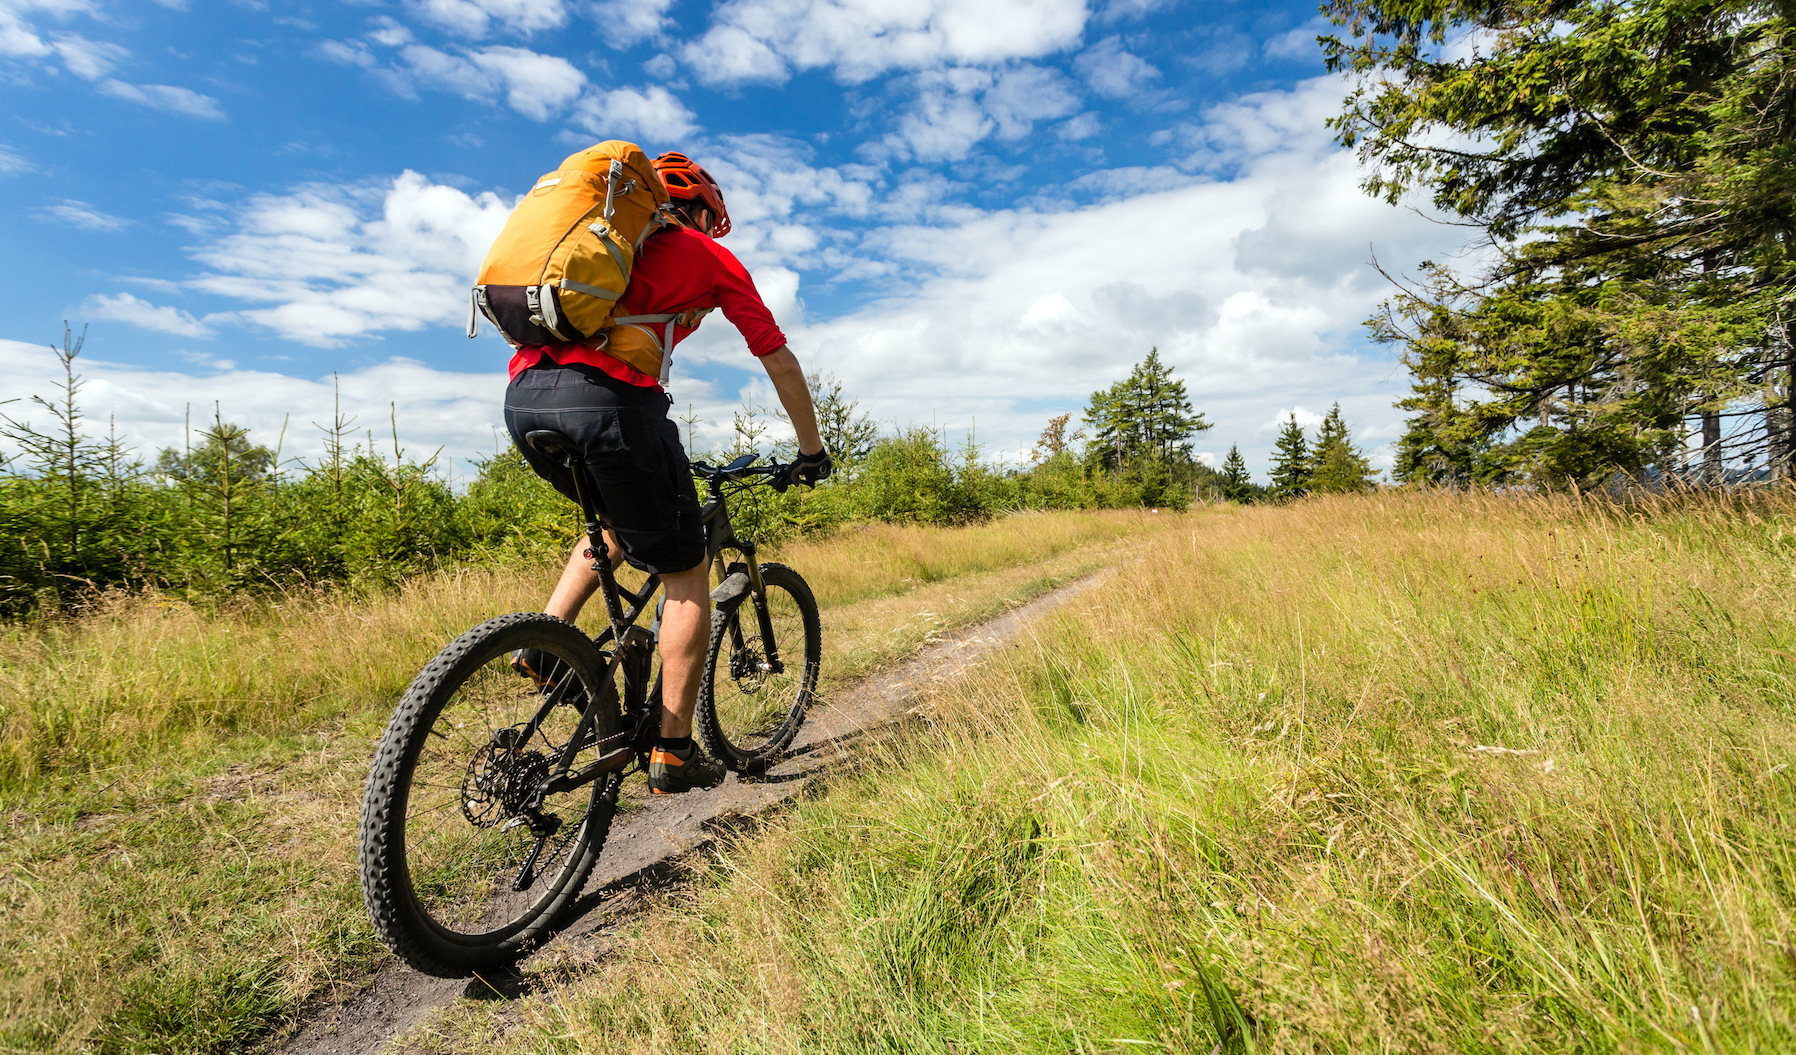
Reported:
(653, 833)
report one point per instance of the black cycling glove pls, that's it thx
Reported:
(808, 469)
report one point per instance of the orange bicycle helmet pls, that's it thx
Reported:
(687, 180)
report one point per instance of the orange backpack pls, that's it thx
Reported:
(555, 272)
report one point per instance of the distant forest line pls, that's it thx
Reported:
(80, 513)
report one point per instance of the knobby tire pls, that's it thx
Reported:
(746, 739)
(475, 938)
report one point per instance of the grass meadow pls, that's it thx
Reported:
(1405, 772)
(179, 786)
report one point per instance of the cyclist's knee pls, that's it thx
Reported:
(693, 584)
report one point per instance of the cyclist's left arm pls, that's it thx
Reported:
(741, 302)
(788, 380)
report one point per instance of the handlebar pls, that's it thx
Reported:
(742, 469)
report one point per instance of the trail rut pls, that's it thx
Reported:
(645, 843)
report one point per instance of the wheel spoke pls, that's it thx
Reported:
(478, 763)
(750, 711)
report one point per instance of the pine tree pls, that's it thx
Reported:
(847, 432)
(1634, 181)
(1290, 461)
(1147, 415)
(1140, 438)
(1336, 466)
(1237, 485)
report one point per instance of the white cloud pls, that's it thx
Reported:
(628, 21)
(1120, 9)
(19, 37)
(649, 113)
(165, 97)
(124, 307)
(81, 214)
(1261, 124)
(533, 84)
(348, 53)
(1082, 126)
(434, 408)
(1299, 43)
(88, 59)
(954, 109)
(328, 264)
(13, 162)
(767, 40)
(1252, 287)
(1114, 72)
(475, 18)
(1306, 417)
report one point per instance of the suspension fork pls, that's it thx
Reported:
(757, 596)
(720, 534)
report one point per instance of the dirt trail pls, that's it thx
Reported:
(644, 843)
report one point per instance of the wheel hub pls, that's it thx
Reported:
(748, 670)
(501, 778)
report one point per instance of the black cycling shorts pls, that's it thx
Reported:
(632, 456)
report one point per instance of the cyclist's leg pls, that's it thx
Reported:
(636, 471)
(685, 622)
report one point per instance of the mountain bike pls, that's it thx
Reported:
(490, 795)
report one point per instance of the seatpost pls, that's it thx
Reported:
(599, 552)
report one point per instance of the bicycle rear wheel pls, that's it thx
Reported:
(749, 712)
(460, 873)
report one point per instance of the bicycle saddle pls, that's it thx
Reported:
(552, 443)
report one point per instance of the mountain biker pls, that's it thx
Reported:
(632, 452)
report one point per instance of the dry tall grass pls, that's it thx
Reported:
(179, 788)
(1418, 773)
(145, 674)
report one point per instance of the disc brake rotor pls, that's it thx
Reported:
(500, 779)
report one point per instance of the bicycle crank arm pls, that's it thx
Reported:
(586, 774)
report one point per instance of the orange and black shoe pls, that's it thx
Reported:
(547, 673)
(672, 771)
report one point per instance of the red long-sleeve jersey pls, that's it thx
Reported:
(679, 270)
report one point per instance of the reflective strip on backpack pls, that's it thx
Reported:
(617, 169)
(591, 291)
(611, 246)
(663, 342)
(667, 356)
(547, 183)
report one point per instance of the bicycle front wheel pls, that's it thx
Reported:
(758, 680)
(462, 870)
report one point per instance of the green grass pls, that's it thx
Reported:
(1407, 773)
(180, 787)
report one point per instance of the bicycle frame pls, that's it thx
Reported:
(633, 646)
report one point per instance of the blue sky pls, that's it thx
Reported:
(972, 214)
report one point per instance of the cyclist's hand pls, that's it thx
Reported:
(808, 469)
